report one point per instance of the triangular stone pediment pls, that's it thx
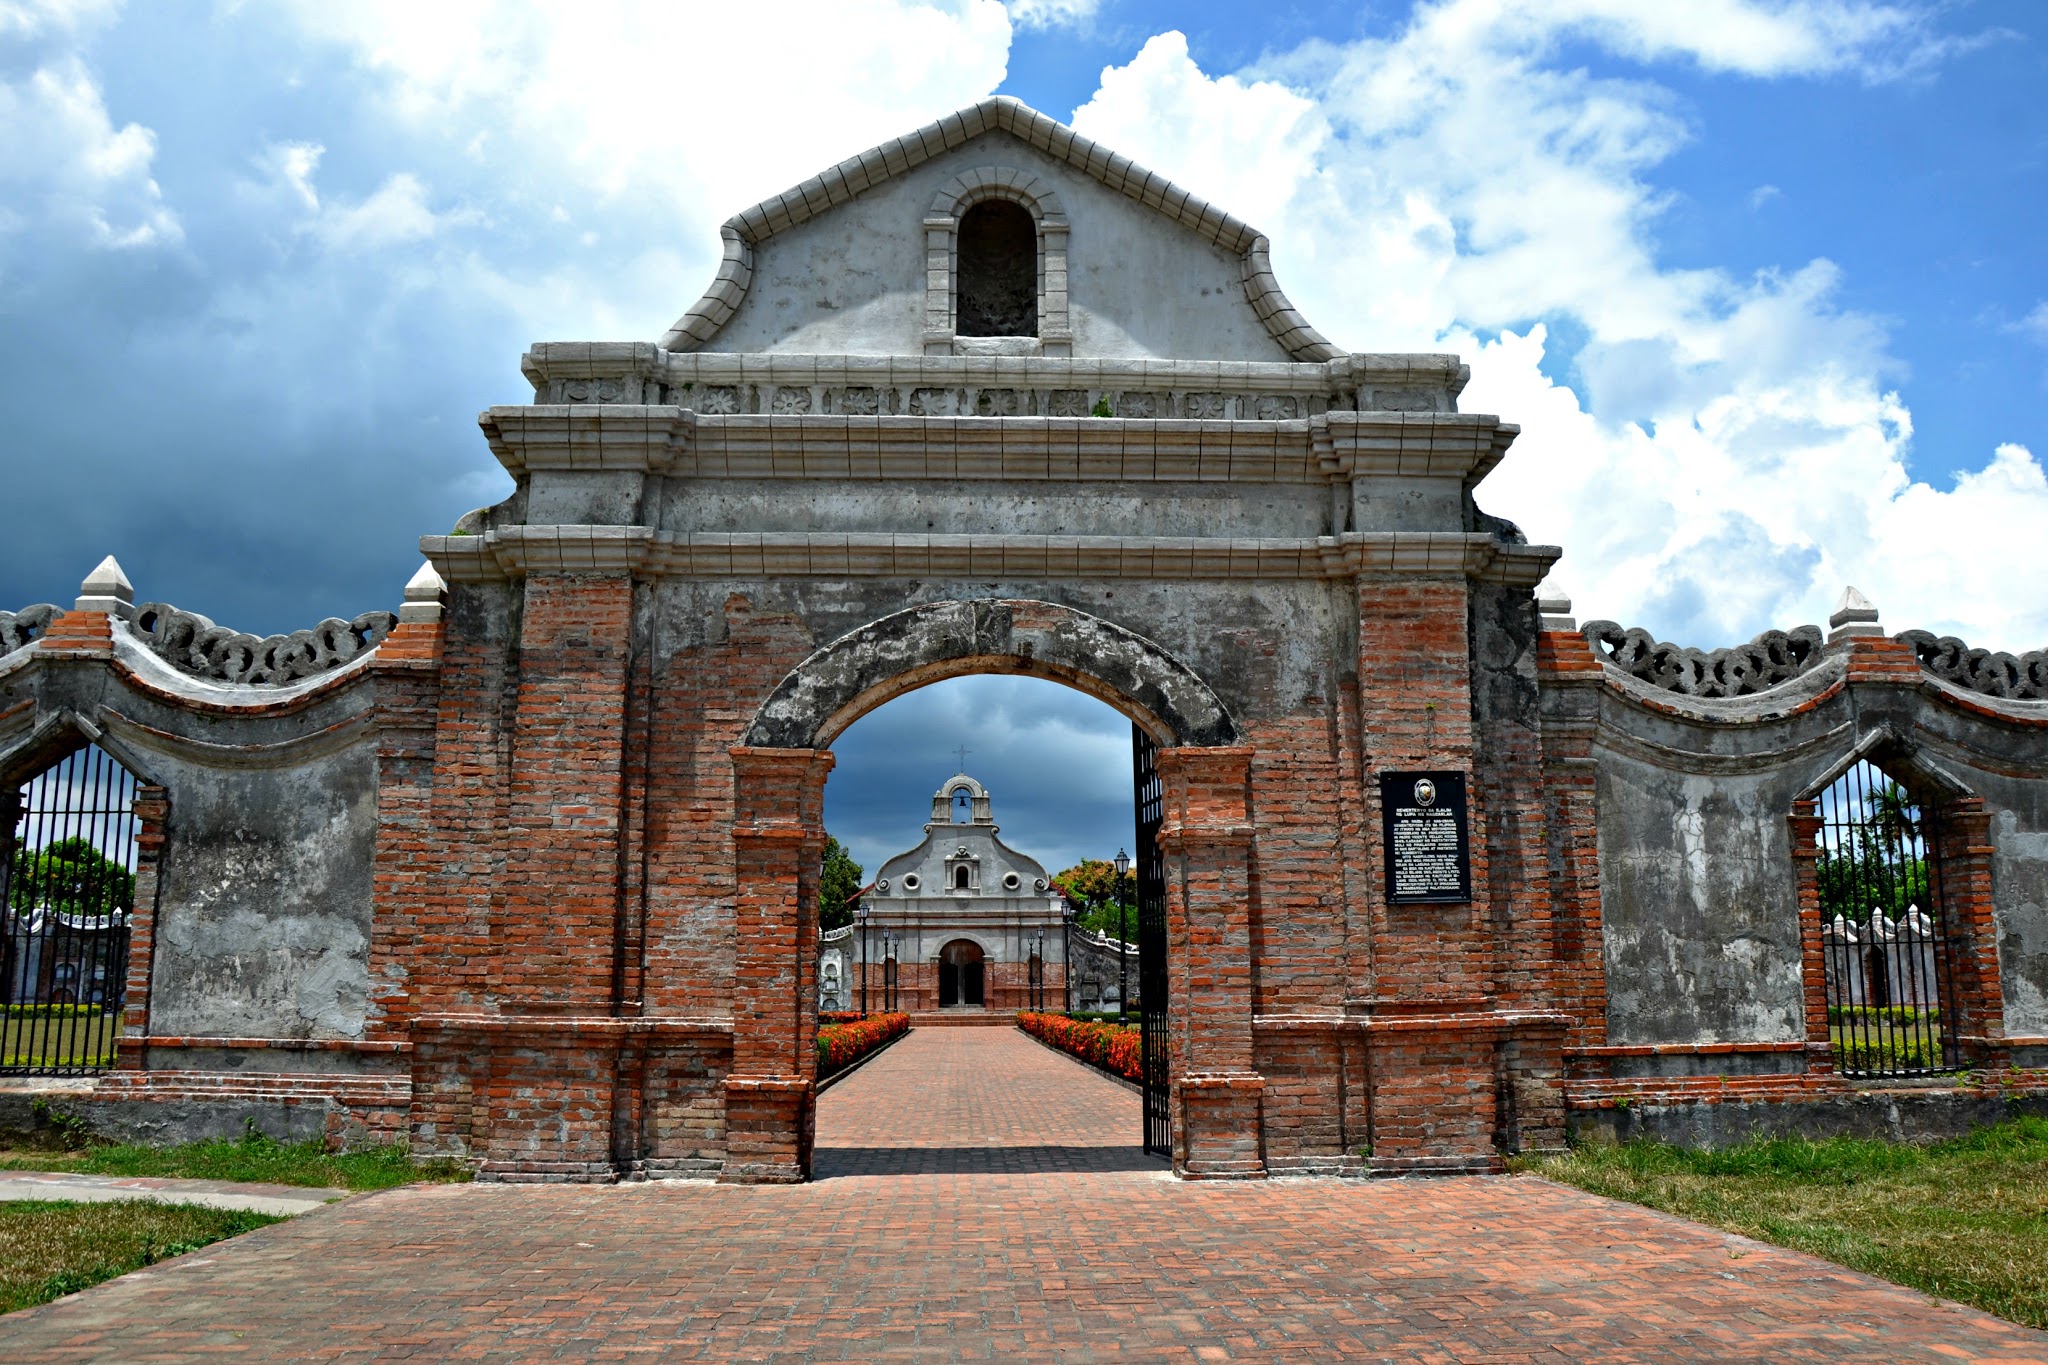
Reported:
(863, 258)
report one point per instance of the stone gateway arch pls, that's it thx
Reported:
(525, 874)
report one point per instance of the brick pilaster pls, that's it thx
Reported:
(1207, 839)
(555, 924)
(152, 810)
(1415, 703)
(1805, 823)
(406, 858)
(1962, 859)
(778, 840)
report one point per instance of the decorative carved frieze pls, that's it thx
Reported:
(193, 644)
(18, 628)
(2022, 677)
(1772, 658)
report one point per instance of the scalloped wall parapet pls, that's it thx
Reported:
(1994, 673)
(1777, 657)
(193, 644)
(1772, 658)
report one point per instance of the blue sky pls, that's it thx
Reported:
(1760, 279)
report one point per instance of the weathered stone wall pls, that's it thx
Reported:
(263, 904)
(1708, 974)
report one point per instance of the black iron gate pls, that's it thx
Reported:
(1884, 938)
(1152, 996)
(67, 887)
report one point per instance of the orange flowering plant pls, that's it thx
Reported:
(842, 1044)
(1115, 1049)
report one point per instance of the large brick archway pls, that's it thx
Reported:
(779, 836)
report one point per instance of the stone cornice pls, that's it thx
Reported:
(1418, 445)
(516, 551)
(580, 373)
(585, 436)
(669, 440)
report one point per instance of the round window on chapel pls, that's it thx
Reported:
(1010, 882)
(910, 881)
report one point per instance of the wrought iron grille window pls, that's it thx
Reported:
(67, 883)
(1884, 937)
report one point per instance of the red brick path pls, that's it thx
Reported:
(977, 1101)
(937, 1231)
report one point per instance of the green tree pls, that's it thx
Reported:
(839, 883)
(1874, 865)
(1095, 890)
(74, 877)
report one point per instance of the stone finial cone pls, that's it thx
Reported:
(106, 590)
(1855, 614)
(422, 605)
(108, 581)
(424, 586)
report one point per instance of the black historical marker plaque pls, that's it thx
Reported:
(1428, 851)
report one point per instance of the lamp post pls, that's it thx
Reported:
(861, 913)
(1066, 956)
(1038, 969)
(888, 970)
(1123, 970)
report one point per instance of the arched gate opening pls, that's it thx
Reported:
(1202, 1089)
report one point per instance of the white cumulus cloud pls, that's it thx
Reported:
(397, 212)
(63, 162)
(1731, 449)
(1042, 14)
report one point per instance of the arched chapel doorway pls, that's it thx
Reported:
(961, 975)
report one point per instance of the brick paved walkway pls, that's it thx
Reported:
(959, 1101)
(978, 1260)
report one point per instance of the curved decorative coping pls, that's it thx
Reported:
(742, 232)
(193, 644)
(1643, 667)
(1771, 659)
(25, 627)
(2014, 677)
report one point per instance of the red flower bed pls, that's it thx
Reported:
(841, 1045)
(1113, 1048)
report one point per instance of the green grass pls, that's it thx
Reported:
(48, 1250)
(1966, 1219)
(58, 1035)
(252, 1158)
